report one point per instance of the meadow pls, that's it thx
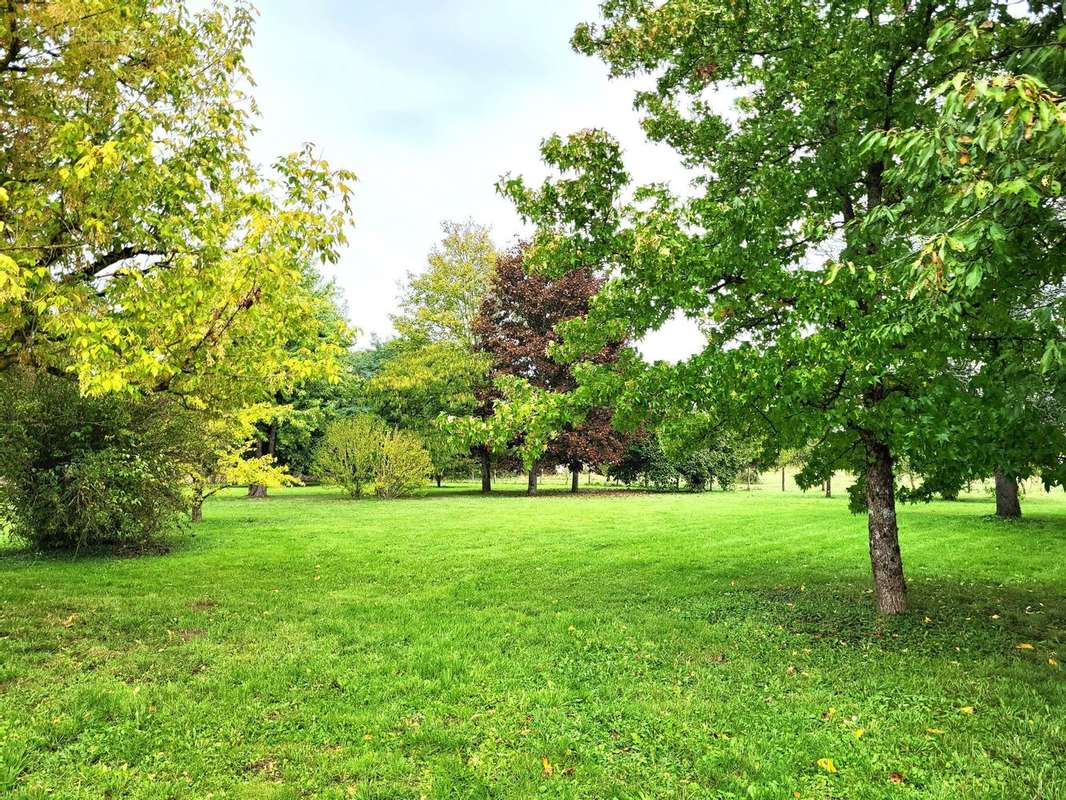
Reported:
(603, 645)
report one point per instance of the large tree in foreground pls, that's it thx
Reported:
(796, 248)
(141, 249)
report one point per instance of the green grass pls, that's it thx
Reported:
(451, 646)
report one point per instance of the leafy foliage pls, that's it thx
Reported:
(363, 454)
(350, 453)
(697, 465)
(796, 247)
(140, 247)
(432, 368)
(516, 328)
(91, 471)
(403, 466)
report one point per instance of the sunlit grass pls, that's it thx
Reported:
(697, 646)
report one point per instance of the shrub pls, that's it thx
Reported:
(404, 465)
(89, 471)
(350, 452)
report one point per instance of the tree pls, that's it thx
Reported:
(516, 328)
(698, 463)
(432, 368)
(140, 247)
(793, 248)
(983, 188)
(440, 303)
(305, 402)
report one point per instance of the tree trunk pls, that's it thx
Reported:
(782, 479)
(828, 487)
(1007, 504)
(889, 584)
(532, 490)
(258, 491)
(439, 480)
(575, 477)
(196, 511)
(486, 471)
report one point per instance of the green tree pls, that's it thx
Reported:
(433, 368)
(440, 303)
(140, 247)
(791, 249)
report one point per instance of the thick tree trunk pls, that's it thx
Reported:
(575, 477)
(532, 490)
(889, 584)
(1007, 504)
(257, 491)
(439, 480)
(828, 487)
(486, 471)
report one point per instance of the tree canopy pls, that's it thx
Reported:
(140, 247)
(801, 246)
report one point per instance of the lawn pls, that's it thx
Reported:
(599, 646)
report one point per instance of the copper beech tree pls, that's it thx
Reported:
(516, 326)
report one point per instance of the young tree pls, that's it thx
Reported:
(794, 249)
(516, 328)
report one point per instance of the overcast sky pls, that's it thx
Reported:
(430, 102)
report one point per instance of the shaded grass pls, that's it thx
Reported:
(594, 646)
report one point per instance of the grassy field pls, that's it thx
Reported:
(598, 646)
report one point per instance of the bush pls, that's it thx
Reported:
(349, 453)
(404, 465)
(84, 472)
(361, 454)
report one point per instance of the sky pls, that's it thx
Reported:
(430, 102)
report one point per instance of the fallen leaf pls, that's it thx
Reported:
(896, 777)
(1052, 662)
(828, 713)
(967, 710)
(1025, 646)
(549, 770)
(935, 731)
(828, 765)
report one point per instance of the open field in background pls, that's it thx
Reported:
(691, 646)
